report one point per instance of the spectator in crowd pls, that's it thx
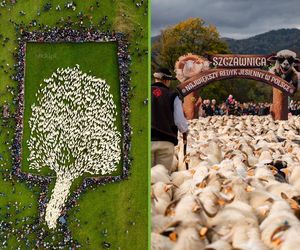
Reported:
(207, 108)
(215, 108)
(230, 104)
(294, 108)
(229, 100)
(234, 107)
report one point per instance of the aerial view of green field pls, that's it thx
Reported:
(58, 61)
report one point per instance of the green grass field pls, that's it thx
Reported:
(115, 213)
(97, 59)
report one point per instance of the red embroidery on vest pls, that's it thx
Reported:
(157, 92)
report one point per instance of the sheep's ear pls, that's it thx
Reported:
(203, 231)
(226, 182)
(249, 188)
(297, 61)
(169, 232)
(173, 236)
(170, 208)
(249, 180)
(204, 182)
(153, 196)
(221, 202)
(284, 196)
(272, 58)
(297, 199)
(230, 200)
(231, 156)
(169, 229)
(206, 212)
(192, 171)
(221, 177)
(292, 201)
(196, 208)
(251, 172)
(170, 184)
(168, 187)
(286, 171)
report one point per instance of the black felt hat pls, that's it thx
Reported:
(163, 74)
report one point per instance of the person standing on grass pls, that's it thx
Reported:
(167, 118)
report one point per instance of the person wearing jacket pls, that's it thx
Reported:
(167, 118)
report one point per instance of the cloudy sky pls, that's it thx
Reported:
(233, 18)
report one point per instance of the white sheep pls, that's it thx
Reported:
(159, 173)
(242, 189)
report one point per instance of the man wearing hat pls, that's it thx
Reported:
(167, 118)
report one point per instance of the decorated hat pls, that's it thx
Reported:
(163, 74)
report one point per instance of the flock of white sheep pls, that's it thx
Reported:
(241, 189)
(73, 132)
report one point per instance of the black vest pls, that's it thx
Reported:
(163, 127)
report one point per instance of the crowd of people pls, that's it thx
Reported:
(124, 60)
(231, 107)
(294, 107)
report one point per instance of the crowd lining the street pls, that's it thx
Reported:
(231, 106)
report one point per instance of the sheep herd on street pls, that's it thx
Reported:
(237, 187)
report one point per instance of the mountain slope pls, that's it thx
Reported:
(269, 42)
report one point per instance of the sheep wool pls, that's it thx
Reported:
(73, 131)
(241, 189)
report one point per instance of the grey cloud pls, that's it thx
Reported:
(233, 18)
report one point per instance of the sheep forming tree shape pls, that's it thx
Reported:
(73, 132)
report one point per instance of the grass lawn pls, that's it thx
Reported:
(97, 59)
(115, 213)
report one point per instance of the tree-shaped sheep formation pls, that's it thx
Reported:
(73, 132)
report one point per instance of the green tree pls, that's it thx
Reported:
(189, 36)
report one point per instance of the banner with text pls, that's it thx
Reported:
(221, 67)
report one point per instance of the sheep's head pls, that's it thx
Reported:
(293, 202)
(190, 65)
(285, 60)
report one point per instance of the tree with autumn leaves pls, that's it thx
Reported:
(190, 36)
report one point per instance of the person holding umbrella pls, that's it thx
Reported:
(167, 118)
